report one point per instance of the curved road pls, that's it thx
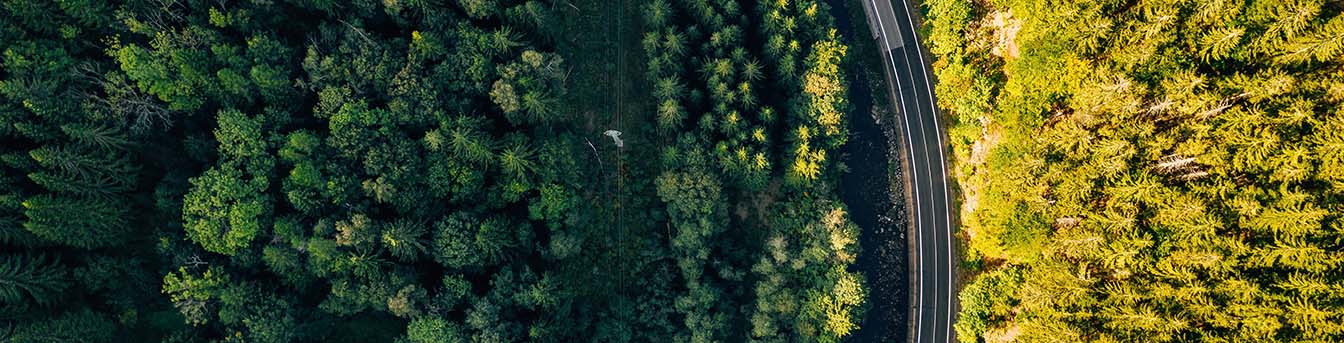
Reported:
(933, 282)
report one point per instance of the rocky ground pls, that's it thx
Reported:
(873, 189)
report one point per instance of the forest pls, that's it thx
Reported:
(425, 171)
(1154, 171)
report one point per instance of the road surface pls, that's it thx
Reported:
(932, 279)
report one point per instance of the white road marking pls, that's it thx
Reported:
(942, 165)
(905, 114)
(924, 139)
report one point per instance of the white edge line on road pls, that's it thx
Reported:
(924, 139)
(941, 163)
(911, 149)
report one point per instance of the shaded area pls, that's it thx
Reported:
(872, 185)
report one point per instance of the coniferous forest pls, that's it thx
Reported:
(425, 171)
(654, 170)
(1147, 171)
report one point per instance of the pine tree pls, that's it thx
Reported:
(404, 239)
(84, 166)
(78, 221)
(77, 326)
(13, 233)
(102, 136)
(31, 279)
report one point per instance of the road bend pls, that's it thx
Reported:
(933, 278)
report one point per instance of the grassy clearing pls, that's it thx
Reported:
(601, 41)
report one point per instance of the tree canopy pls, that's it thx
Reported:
(1159, 171)
(422, 171)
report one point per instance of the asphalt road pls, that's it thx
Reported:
(932, 277)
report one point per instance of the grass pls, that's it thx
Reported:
(608, 91)
(602, 44)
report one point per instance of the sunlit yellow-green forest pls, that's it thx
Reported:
(1154, 171)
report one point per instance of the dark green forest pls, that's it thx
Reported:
(1147, 170)
(423, 171)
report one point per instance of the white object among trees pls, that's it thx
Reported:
(615, 136)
